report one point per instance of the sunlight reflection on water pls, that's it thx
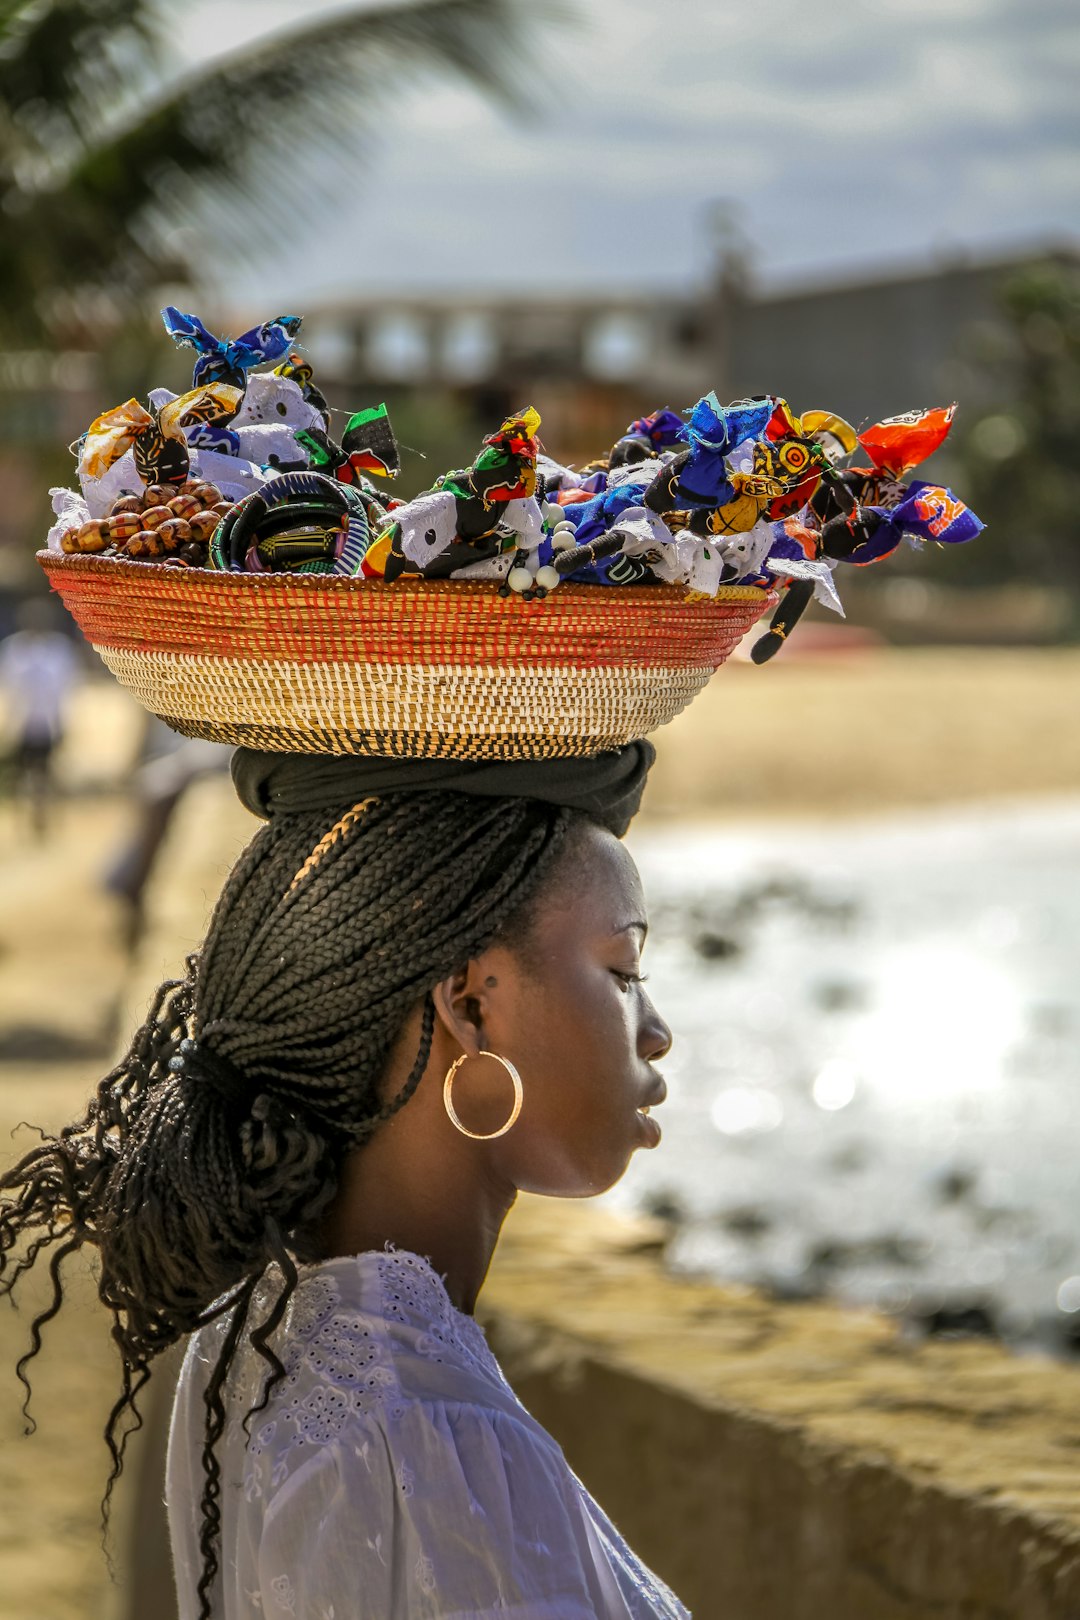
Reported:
(874, 1086)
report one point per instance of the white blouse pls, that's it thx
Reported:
(394, 1474)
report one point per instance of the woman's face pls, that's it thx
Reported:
(567, 1005)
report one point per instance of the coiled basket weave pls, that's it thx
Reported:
(435, 669)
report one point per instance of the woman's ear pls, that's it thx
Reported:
(460, 1005)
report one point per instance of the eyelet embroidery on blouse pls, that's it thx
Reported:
(336, 1363)
(335, 1370)
(312, 1303)
(411, 1288)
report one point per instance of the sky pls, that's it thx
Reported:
(837, 139)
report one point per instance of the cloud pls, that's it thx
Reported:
(864, 130)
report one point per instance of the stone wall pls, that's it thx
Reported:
(790, 1462)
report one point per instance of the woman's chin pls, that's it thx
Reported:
(583, 1181)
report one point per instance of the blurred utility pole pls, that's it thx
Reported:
(728, 287)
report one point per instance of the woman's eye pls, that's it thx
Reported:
(629, 977)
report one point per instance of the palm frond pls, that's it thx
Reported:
(250, 139)
(484, 41)
(62, 60)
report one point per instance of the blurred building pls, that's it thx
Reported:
(867, 348)
(863, 347)
(588, 363)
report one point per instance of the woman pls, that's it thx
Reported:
(420, 993)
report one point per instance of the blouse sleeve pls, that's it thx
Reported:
(453, 1511)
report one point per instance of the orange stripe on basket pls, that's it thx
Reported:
(145, 607)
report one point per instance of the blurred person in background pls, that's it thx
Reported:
(168, 766)
(39, 669)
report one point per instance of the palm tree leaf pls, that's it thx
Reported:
(482, 40)
(61, 60)
(250, 140)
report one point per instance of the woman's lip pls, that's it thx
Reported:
(657, 1093)
(650, 1130)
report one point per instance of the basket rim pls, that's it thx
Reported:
(135, 572)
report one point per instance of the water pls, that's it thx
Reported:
(875, 1086)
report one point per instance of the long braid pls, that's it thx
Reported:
(330, 931)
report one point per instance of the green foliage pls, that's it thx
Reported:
(104, 155)
(1019, 459)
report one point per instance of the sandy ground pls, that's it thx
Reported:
(59, 972)
(836, 737)
(866, 733)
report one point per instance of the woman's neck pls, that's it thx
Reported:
(404, 1188)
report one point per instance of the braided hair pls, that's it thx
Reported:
(220, 1134)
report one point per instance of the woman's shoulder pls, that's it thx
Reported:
(383, 1319)
(359, 1321)
(390, 1422)
(368, 1345)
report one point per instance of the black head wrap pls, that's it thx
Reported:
(607, 787)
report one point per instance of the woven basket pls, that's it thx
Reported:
(436, 669)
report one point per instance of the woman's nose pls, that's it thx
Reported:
(656, 1037)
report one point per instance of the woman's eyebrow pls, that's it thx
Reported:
(626, 927)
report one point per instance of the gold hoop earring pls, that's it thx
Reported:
(448, 1101)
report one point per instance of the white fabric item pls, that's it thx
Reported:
(234, 476)
(277, 400)
(747, 552)
(644, 530)
(119, 479)
(71, 513)
(434, 515)
(524, 518)
(268, 444)
(488, 568)
(637, 472)
(555, 475)
(820, 571)
(704, 564)
(394, 1475)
